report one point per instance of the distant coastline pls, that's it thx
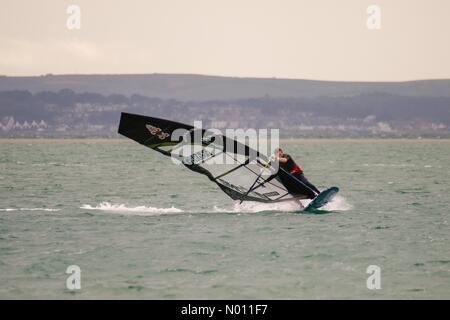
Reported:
(282, 141)
(90, 105)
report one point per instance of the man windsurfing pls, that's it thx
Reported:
(286, 163)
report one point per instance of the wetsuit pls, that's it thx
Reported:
(290, 166)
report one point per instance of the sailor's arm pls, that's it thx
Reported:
(282, 159)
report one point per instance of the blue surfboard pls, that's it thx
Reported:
(322, 199)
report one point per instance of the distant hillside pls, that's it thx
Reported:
(202, 88)
(66, 113)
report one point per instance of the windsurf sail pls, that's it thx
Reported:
(235, 167)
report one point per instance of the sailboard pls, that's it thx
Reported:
(322, 199)
(240, 178)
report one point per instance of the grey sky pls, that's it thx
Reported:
(320, 39)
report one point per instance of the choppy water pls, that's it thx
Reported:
(139, 227)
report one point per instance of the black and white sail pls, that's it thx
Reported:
(240, 171)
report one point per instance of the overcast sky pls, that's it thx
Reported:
(315, 39)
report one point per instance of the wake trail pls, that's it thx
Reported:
(28, 209)
(339, 203)
(124, 209)
(249, 207)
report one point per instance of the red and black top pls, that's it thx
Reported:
(290, 165)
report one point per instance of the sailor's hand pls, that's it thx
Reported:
(272, 158)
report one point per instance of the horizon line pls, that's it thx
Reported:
(220, 76)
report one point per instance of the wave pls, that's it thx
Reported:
(139, 210)
(29, 209)
(339, 203)
(401, 165)
(58, 164)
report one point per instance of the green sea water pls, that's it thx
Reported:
(140, 227)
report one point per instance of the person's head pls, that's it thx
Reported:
(279, 152)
